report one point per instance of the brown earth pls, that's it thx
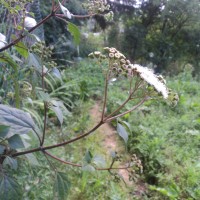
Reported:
(111, 139)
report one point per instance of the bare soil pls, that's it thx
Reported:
(111, 140)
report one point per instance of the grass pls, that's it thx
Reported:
(165, 138)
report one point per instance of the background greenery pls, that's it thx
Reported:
(163, 35)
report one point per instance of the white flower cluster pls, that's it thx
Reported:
(121, 66)
(29, 22)
(2, 41)
(148, 76)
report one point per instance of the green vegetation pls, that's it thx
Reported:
(98, 126)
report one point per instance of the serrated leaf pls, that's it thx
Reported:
(22, 49)
(32, 159)
(88, 168)
(19, 121)
(4, 130)
(11, 162)
(61, 186)
(122, 132)
(73, 29)
(15, 142)
(99, 161)
(9, 188)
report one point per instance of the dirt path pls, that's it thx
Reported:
(111, 141)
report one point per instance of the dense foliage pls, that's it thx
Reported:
(51, 142)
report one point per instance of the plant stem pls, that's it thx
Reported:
(59, 144)
(128, 111)
(45, 123)
(78, 165)
(16, 88)
(105, 94)
(29, 31)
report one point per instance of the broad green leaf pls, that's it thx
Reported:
(34, 60)
(56, 73)
(73, 29)
(2, 148)
(15, 142)
(32, 159)
(44, 96)
(22, 49)
(61, 186)
(4, 130)
(11, 162)
(6, 58)
(15, 58)
(125, 124)
(58, 112)
(122, 132)
(88, 156)
(59, 109)
(19, 121)
(99, 161)
(9, 188)
(88, 168)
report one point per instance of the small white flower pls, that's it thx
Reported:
(2, 41)
(151, 54)
(148, 75)
(29, 22)
(65, 11)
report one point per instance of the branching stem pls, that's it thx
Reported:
(78, 165)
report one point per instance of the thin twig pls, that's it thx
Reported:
(105, 94)
(78, 165)
(128, 111)
(45, 123)
(29, 31)
(59, 144)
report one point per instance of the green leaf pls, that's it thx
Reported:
(2, 148)
(32, 159)
(61, 186)
(99, 161)
(73, 29)
(43, 96)
(11, 162)
(22, 49)
(9, 188)
(88, 156)
(56, 73)
(34, 60)
(58, 113)
(19, 121)
(4, 130)
(15, 142)
(88, 168)
(122, 132)
(59, 109)
(6, 58)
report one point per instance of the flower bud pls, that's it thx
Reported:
(29, 22)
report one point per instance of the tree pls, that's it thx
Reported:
(22, 63)
(155, 32)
